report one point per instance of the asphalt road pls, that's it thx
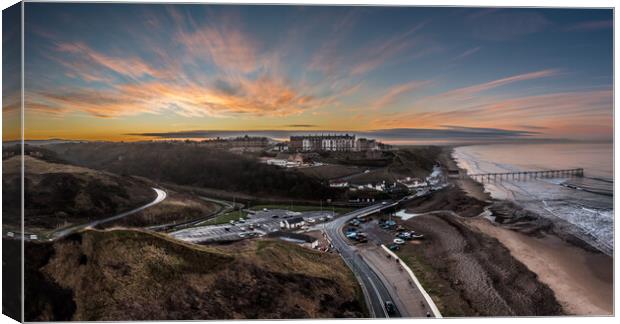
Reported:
(161, 195)
(376, 293)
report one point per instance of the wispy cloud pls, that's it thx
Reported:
(88, 60)
(507, 25)
(301, 126)
(393, 93)
(543, 112)
(466, 53)
(451, 133)
(591, 25)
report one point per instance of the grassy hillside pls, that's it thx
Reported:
(192, 165)
(135, 275)
(58, 195)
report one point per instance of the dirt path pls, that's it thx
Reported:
(581, 280)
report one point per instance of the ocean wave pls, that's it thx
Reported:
(586, 203)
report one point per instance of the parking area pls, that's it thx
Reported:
(380, 230)
(257, 223)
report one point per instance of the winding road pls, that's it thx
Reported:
(374, 290)
(161, 195)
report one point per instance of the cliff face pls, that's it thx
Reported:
(134, 275)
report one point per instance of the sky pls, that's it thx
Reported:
(124, 72)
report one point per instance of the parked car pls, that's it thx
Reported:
(399, 241)
(394, 247)
(389, 307)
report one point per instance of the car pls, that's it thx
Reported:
(389, 307)
(227, 229)
(232, 222)
(243, 234)
(330, 217)
(243, 228)
(275, 216)
(241, 219)
(394, 247)
(383, 203)
(311, 220)
(399, 241)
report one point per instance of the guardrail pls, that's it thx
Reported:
(426, 296)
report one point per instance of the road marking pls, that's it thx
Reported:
(378, 297)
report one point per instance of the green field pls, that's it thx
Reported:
(225, 218)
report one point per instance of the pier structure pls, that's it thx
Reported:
(525, 175)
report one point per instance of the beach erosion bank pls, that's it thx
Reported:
(489, 257)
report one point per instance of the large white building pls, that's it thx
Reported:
(334, 143)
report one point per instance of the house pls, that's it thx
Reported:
(281, 147)
(301, 239)
(277, 162)
(292, 223)
(338, 184)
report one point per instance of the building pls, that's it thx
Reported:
(281, 147)
(365, 144)
(301, 239)
(314, 143)
(293, 222)
(339, 184)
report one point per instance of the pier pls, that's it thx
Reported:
(525, 175)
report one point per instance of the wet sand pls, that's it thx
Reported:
(581, 279)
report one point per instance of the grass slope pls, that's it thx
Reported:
(58, 195)
(135, 275)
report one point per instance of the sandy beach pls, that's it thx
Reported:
(580, 278)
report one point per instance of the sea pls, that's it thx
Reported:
(584, 203)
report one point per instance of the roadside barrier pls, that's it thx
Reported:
(426, 296)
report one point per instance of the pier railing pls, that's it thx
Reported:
(525, 175)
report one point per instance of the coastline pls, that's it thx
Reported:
(580, 277)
